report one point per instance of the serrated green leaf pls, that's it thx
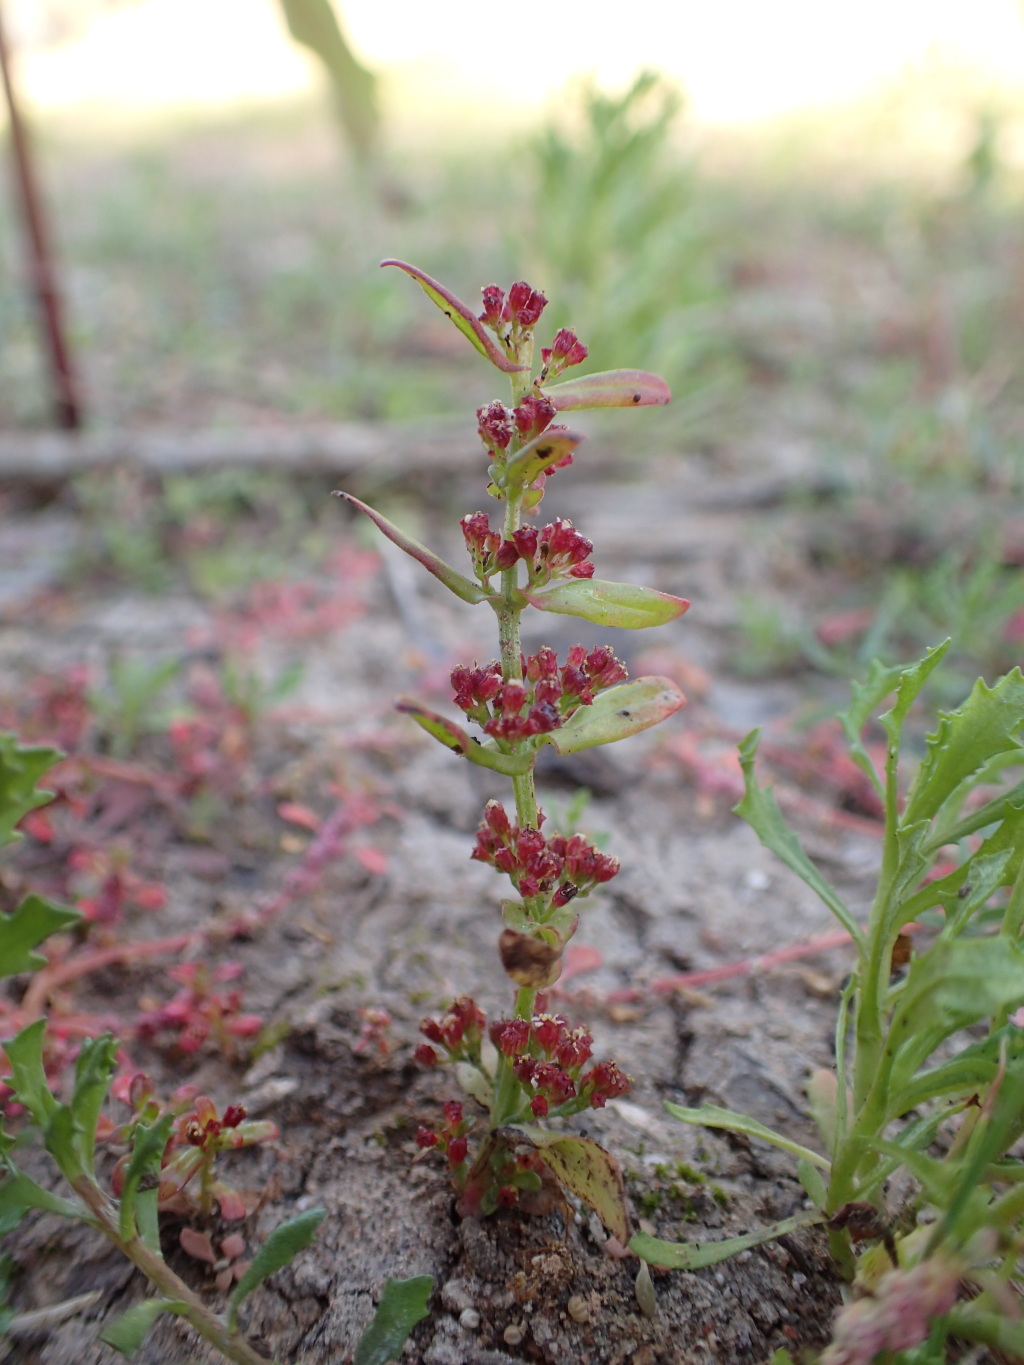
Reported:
(544, 451)
(618, 713)
(140, 1191)
(453, 737)
(626, 606)
(61, 1138)
(28, 1075)
(279, 1250)
(128, 1332)
(908, 686)
(463, 317)
(94, 1071)
(955, 984)
(761, 811)
(20, 768)
(609, 389)
(402, 1305)
(711, 1116)
(19, 1191)
(865, 698)
(454, 581)
(25, 928)
(697, 1255)
(588, 1171)
(988, 724)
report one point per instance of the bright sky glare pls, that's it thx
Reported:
(739, 60)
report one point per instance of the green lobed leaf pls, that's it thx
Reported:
(28, 1074)
(908, 686)
(954, 984)
(588, 1171)
(618, 713)
(609, 389)
(94, 1071)
(20, 768)
(402, 1304)
(987, 724)
(25, 928)
(697, 1255)
(711, 1116)
(279, 1250)
(463, 317)
(455, 582)
(624, 605)
(865, 698)
(19, 1191)
(761, 811)
(128, 1332)
(453, 737)
(545, 450)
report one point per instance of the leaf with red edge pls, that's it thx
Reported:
(464, 319)
(453, 737)
(618, 713)
(626, 605)
(454, 581)
(609, 389)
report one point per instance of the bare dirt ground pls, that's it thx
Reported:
(399, 918)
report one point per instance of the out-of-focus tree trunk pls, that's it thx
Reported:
(315, 24)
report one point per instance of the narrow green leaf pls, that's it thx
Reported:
(20, 769)
(761, 811)
(94, 1071)
(592, 1174)
(279, 1250)
(18, 1191)
(624, 605)
(543, 451)
(644, 1289)
(813, 1182)
(61, 1137)
(402, 1305)
(988, 723)
(992, 1329)
(711, 1116)
(128, 1332)
(908, 686)
(26, 927)
(697, 1255)
(453, 737)
(142, 1181)
(463, 317)
(28, 1075)
(618, 713)
(609, 389)
(455, 582)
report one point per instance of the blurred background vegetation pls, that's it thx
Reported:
(837, 292)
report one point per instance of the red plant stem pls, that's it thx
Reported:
(66, 407)
(50, 979)
(746, 967)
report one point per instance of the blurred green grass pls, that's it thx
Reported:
(821, 285)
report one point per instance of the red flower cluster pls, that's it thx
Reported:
(566, 349)
(537, 866)
(495, 425)
(532, 416)
(548, 1057)
(515, 710)
(450, 1135)
(519, 311)
(458, 1032)
(557, 550)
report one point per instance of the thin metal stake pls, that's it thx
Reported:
(67, 412)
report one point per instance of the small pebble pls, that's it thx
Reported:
(756, 879)
(470, 1319)
(719, 1278)
(578, 1308)
(513, 1334)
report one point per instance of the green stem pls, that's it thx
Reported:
(209, 1326)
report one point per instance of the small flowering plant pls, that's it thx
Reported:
(533, 1064)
